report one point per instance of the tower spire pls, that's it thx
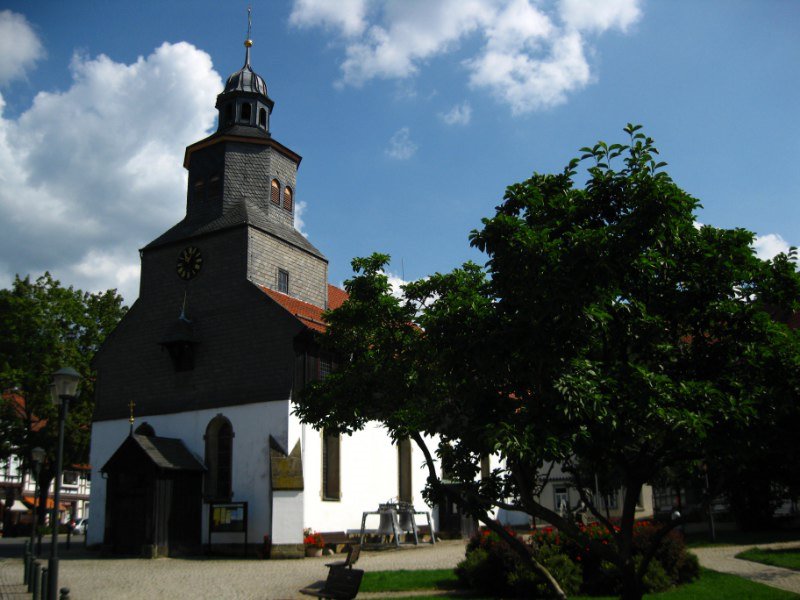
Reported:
(248, 42)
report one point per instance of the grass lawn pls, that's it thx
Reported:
(740, 538)
(789, 558)
(403, 581)
(710, 586)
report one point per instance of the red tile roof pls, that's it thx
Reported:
(308, 314)
(336, 297)
(17, 404)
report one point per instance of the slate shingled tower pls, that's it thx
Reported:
(209, 349)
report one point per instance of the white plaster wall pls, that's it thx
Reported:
(287, 527)
(369, 477)
(252, 426)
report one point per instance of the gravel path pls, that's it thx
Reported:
(722, 559)
(91, 578)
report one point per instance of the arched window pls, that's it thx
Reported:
(287, 198)
(219, 459)
(215, 188)
(331, 480)
(229, 113)
(246, 109)
(199, 190)
(275, 192)
(262, 118)
(404, 471)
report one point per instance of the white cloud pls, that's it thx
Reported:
(400, 145)
(460, 114)
(411, 31)
(90, 174)
(348, 16)
(599, 16)
(20, 47)
(397, 283)
(769, 244)
(299, 210)
(532, 55)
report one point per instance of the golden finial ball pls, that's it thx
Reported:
(248, 43)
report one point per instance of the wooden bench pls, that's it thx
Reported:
(342, 584)
(353, 552)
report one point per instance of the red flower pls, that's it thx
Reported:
(315, 540)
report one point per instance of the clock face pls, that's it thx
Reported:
(189, 262)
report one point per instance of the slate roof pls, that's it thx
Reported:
(244, 212)
(170, 454)
(308, 314)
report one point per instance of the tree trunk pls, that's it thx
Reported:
(631, 585)
(515, 543)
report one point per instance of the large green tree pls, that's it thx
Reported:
(608, 332)
(46, 326)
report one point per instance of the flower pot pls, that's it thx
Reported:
(313, 551)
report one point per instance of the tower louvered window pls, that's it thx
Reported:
(200, 190)
(287, 198)
(215, 188)
(275, 192)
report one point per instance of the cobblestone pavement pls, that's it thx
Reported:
(11, 586)
(722, 559)
(90, 577)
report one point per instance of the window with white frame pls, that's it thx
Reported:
(561, 498)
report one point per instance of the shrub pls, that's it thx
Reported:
(567, 573)
(679, 564)
(656, 578)
(688, 568)
(492, 566)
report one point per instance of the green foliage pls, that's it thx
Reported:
(655, 578)
(45, 327)
(494, 567)
(678, 565)
(607, 333)
(671, 565)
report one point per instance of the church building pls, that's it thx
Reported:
(193, 438)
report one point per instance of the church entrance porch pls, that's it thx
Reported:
(154, 498)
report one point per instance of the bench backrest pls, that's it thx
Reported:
(343, 583)
(352, 555)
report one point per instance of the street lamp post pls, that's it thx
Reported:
(63, 389)
(37, 456)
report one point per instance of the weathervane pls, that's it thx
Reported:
(131, 405)
(248, 42)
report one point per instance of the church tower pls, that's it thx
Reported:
(194, 438)
(210, 357)
(240, 175)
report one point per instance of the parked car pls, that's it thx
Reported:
(80, 526)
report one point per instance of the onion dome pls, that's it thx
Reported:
(244, 105)
(245, 79)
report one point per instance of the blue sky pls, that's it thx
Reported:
(411, 116)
